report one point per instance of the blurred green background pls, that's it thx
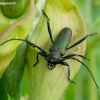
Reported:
(85, 88)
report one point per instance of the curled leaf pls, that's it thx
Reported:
(19, 29)
(50, 84)
(11, 80)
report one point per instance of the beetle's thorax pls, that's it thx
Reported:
(53, 59)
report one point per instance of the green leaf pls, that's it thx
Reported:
(11, 80)
(19, 29)
(50, 84)
(14, 8)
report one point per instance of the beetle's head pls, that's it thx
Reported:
(52, 62)
(51, 66)
(53, 59)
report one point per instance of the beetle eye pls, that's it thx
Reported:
(47, 59)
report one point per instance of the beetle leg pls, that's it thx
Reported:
(48, 26)
(87, 69)
(49, 30)
(66, 64)
(81, 40)
(45, 15)
(37, 60)
(71, 55)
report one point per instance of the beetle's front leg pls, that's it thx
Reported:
(87, 69)
(64, 63)
(37, 60)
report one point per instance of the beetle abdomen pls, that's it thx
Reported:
(62, 40)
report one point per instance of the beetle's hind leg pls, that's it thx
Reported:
(48, 26)
(64, 63)
(81, 40)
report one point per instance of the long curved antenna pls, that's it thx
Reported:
(87, 69)
(31, 44)
(72, 55)
(14, 39)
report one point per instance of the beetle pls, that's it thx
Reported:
(58, 49)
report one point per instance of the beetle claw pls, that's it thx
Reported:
(35, 64)
(71, 81)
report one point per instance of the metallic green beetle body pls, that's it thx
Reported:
(62, 40)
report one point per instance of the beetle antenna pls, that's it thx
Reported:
(17, 39)
(72, 55)
(87, 69)
(31, 44)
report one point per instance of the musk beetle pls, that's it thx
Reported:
(58, 49)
